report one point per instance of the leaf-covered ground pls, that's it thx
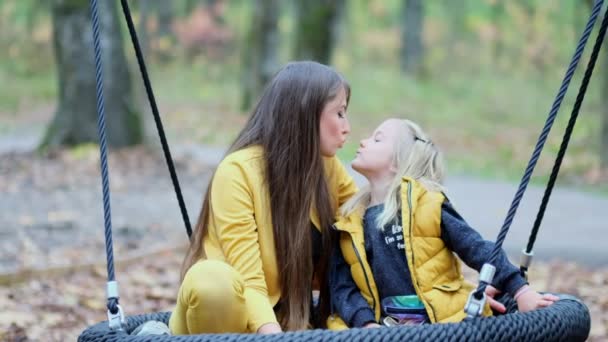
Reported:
(59, 308)
(52, 266)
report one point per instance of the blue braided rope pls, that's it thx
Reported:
(103, 148)
(542, 139)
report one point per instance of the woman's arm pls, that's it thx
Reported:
(232, 214)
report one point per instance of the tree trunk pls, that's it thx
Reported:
(603, 91)
(459, 36)
(412, 49)
(164, 37)
(604, 119)
(498, 9)
(458, 10)
(529, 7)
(142, 31)
(316, 28)
(260, 59)
(164, 10)
(75, 119)
(191, 5)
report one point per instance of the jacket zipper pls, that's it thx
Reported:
(369, 287)
(409, 203)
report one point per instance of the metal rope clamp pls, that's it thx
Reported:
(526, 259)
(115, 320)
(474, 306)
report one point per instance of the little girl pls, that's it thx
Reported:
(397, 237)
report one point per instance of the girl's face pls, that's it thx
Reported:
(375, 156)
(334, 126)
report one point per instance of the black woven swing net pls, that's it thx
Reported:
(566, 320)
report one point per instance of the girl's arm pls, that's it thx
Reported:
(345, 295)
(475, 251)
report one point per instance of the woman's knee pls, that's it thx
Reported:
(210, 281)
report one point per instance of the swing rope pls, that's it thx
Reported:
(566, 140)
(115, 315)
(477, 298)
(159, 125)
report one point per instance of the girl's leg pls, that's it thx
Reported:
(210, 300)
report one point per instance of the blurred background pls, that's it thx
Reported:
(479, 75)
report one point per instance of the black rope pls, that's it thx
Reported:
(105, 178)
(157, 120)
(541, 142)
(568, 133)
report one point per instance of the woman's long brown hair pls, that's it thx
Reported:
(285, 122)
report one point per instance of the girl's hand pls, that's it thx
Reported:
(491, 291)
(372, 325)
(528, 299)
(270, 328)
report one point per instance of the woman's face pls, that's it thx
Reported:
(334, 126)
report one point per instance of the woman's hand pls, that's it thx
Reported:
(270, 328)
(528, 299)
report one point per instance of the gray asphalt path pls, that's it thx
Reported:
(575, 225)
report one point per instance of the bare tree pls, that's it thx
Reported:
(457, 15)
(260, 59)
(316, 28)
(412, 48)
(604, 119)
(603, 96)
(75, 119)
(165, 14)
(142, 31)
(498, 13)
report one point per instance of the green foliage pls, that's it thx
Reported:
(19, 89)
(492, 76)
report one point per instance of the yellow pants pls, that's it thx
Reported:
(210, 300)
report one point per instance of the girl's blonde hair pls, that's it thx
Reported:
(414, 156)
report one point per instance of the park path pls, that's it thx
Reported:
(575, 226)
(58, 224)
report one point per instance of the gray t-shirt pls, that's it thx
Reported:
(385, 249)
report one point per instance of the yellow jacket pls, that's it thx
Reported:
(435, 271)
(240, 225)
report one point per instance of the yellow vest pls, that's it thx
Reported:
(435, 271)
(240, 225)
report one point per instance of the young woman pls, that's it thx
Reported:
(262, 234)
